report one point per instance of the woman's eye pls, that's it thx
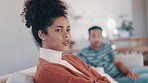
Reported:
(58, 30)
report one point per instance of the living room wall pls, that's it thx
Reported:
(17, 50)
(147, 15)
(97, 12)
(140, 15)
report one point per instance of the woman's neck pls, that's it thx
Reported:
(50, 55)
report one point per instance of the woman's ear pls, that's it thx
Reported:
(41, 35)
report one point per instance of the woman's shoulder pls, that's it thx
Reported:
(74, 59)
(49, 66)
(49, 69)
(71, 57)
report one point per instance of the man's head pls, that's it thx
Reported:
(95, 37)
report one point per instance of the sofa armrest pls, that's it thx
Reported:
(29, 71)
(100, 70)
(20, 78)
(4, 78)
(132, 60)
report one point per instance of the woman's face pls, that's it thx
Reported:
(58, 37)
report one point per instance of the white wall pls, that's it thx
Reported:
(17, 50)
(96, 12)
(140, 17)
(147, 15)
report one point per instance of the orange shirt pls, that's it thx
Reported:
(48, 72)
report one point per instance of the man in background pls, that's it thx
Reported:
(99, 54)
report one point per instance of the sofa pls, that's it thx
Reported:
(27, 74)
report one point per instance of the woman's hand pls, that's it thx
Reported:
(101, 81)
(132, 75)
(104, 80)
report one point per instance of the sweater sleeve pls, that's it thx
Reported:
(79, 80)
(44, 76)
(89, 68)
(54, 74)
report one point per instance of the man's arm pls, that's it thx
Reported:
(121, 66)
(125, 70)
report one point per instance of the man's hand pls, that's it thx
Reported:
(132, 75)
(125, 70)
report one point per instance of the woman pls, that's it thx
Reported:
(51, 30)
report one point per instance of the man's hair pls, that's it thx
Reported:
(94, 28)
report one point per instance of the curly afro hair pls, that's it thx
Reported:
(39, 14)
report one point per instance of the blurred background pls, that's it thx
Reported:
(121, 20)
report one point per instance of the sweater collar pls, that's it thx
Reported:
(50, 55)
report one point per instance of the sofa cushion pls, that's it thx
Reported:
(133, 60)
(100, 70)
(20, 78)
